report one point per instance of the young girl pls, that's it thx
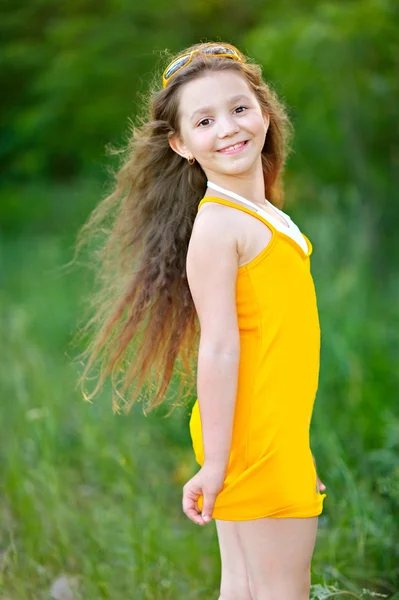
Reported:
(197, 239)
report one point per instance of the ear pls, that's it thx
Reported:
(266, 120)
(177, 145)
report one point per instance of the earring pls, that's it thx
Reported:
(191, 160)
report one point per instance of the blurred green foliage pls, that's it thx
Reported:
(97, 496)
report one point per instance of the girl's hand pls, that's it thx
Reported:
(207, 483)
(320, 484)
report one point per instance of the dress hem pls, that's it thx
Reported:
(315, 511)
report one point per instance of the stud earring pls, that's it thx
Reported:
(191, 160)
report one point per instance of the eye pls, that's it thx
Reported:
(203, 121)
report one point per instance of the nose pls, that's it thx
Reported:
(228, 126)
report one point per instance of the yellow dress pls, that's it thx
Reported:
(270, 471)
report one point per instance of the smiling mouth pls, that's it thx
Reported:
(233, 147)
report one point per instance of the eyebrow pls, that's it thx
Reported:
(206, 109)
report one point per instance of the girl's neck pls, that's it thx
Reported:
(243, 188)
(252, 189)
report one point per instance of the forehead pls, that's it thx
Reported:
(214, 88)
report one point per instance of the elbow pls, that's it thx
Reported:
(227, 346)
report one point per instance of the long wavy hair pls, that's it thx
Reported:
(142, 326)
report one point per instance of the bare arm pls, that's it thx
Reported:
(212, 263)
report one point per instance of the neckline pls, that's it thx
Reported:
(275, 231)
(287, 222)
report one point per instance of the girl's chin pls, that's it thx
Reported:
(230, 165)
(238, 171)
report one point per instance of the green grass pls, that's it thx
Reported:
(97, 496)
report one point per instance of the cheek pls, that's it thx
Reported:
(203, 140)
(257, 125)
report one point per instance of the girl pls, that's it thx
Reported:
(197, 217)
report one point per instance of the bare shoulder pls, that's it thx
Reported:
(212, 267)
(214, 238)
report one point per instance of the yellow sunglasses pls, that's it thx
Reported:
(184, 59)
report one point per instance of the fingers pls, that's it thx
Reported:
(207, 507)
(320, 484)
(189, 503)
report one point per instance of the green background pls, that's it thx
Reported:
(91, 500)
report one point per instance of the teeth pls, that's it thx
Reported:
(233, 147)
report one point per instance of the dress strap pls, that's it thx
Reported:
(306, 249)
(250, 211)
(255, 207)
(290, 230)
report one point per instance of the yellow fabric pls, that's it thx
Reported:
(270, 471)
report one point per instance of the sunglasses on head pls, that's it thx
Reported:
(184, 59)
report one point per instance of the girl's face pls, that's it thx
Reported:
(222, 124)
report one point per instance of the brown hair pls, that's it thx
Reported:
(144, 327)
